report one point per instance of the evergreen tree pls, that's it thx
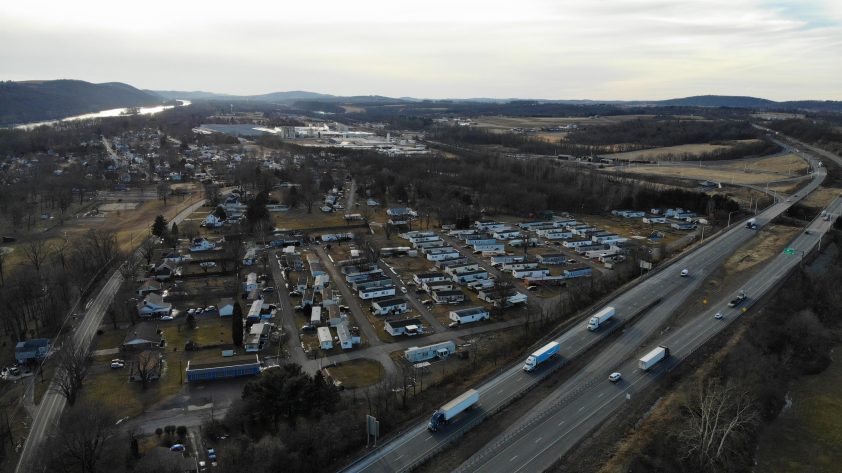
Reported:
(237, 325)
(159, 228)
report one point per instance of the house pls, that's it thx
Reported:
(250, 257)
(251, 282)
(258, 333)
(552, 258)
(518, 265)
(149, 285)
(453, 296)
(506, 234)
(429, 277)
(325, 338)
(403, 327)
(376, 292)
(530, 273)
(166, 270)
(608, 239)
(215, 219)
(471, 314)
(578, 272)
(628, 213)
(32, 350)
(248, 365)
(652, 218)
(437, 350)
(455, 269)
(556, 234)
(400, 215)
(254, 311)
(153, 304)
(347, 338)
(397, 305)
(201, 244)
(679, 225)
(143, 336)
(499, 248)
(378, 281)
(226, 307)
(679, 214)
(503, 259)
(469, 276)
(442, 254)
(575, 243)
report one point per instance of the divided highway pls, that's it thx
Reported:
(580, 404)
(412, 447)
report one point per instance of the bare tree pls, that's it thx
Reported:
(36, 252)
(82, 442)
(131, 267)
(720, 418)
(3, 253)
(147, 366)
(147, 249)
(73, 366)
(164, 191)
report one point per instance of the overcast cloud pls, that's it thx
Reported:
(596, 49)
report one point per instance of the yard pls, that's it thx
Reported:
(357, 373)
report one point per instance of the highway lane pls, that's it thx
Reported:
(587, 399)
(52, 404)
(413, 446)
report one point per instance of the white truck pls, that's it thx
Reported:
(653, 357)
(445, 413)
(600, 317)
(751, 224)
(543, 354)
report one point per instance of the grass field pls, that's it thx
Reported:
(657, 154)
(821, 197)
(807, 437)
(357, 373)
(785, 164)
(724, 175)
(537, 122)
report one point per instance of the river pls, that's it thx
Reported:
(115, 112)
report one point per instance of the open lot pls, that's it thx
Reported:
(724, 175)
(821, 197)
(772, 239)
(356, 373)
(537, 122)
(669, 152)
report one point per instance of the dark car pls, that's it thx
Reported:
(212, 454)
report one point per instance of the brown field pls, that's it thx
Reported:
(821, 197)
(356, 373)
(772, 239)
(785, 164)
(727, 176)
(537, 122)
(657, 154)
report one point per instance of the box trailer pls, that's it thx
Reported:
(543, 354)
(600, 317)
(447, 412)
(653, 357)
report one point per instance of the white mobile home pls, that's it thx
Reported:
(325, 338)
(429, 352)
(471, 314)
(376, 292)
(530, 273)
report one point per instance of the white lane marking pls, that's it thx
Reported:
(539, 439)
(398, 458)
(581, 408)
(561, 423)
(600, 395)
(513, 459)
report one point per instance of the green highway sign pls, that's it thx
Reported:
(789, 251)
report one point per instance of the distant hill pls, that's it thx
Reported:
(32, 101)
(287, 97)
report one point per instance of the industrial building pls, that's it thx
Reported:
(231, 368)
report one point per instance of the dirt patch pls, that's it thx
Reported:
(114, 206)
(772, 239)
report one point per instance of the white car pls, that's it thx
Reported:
(403, 290)
(167, 317)
(685, 273)
(614, 377)
(718, 316)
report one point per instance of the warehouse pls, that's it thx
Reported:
(437, 350)
(231, 368)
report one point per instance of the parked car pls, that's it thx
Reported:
(294, 294)
(211, 454)
(308, 328)
(207, 264)
(14, 371)
(531, 288)
(167, 317)
(268, 290)
(210, 308)
(571, 261)
(403, 290)
(427, 302)
(177, 448)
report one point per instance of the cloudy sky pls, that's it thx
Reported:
(585, 49)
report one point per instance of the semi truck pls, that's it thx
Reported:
(738, 300)
(653, 357)
(445, 413)
(751, 224)
(543, 354)
(600, 317)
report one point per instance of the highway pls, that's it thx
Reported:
(587, 399)
(410, 448)
(52, 403)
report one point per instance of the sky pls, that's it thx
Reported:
(585, 49)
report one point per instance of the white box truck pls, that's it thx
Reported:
(445, 413)
(600, 317)
(543, 354)
(653, 357)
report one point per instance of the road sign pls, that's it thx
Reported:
(789, 251)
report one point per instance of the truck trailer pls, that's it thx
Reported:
(543, 354)
(445, 413)
(653, 357)
(600, 317)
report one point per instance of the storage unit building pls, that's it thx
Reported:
(231, 368)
